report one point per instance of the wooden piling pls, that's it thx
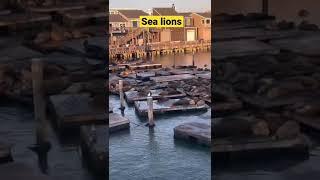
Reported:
(39, 101)
(150, 111)
(122, 107)
(193, 59)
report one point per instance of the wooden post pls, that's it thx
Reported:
(150, 111)
(122, 107)
(38, 100)
(43, 144)
(174, 60)
(193, 59)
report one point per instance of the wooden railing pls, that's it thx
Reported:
(158, 46)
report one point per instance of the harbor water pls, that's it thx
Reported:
(143, 153)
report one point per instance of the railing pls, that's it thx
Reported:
(158, 46)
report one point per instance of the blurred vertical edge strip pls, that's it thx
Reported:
(212, 80)
(107, 77)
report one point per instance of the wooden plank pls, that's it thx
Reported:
(56, 8)
(145, 66)
(19, 171)
(254, 33)
(132, 96)
(241, 48)
(204, 76)
(118, 122)
(194, 132)
(73, 110)
(15, 19)
(165, 107)
(94, 147)
(179, 77)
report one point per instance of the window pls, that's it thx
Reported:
(208, 21)
(202, 21)
(188, 21)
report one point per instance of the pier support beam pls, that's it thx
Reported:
(150, 112)
(122, 107)
(42, 145)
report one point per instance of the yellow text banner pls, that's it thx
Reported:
(161, 21)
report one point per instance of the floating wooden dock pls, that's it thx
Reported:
(195, 132)
(228, 149)
(5, 153)
(94, 147)
(83, 17)
(56, 8)
(241, 48)
(132, 96)
(20, 171)
(118, 122)
(305, 45)
(145, 66)
(254, 33)
(15, 21)
(180, 77)
(166, 107)
(73, 110)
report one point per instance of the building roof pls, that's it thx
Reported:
(165, 11)
(132, 13)
(185, 14)
(116, 18)
(205, 14)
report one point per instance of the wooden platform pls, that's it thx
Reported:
(231, 148)
(132, 96)
(56, 8)
(83, 17)
(118, 122)
(254, 33)
(194, 132)
(145, 66)
(241, 48)
(15, 20)
(166, 107)
(204, 76)
(305, 45)
(179, 77)
(73, 110)
(24, 53)
(94, 147)
(310, 122)
(5, 153)
(77, 44)
(20, 171)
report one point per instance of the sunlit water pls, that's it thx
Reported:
(140, 153)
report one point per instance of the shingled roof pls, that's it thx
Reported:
(185, 14)
(116, 18)
(133, 13)
(205, 14)
(165, 11)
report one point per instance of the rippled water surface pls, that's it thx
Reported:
(17, 128)
(140, 153)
